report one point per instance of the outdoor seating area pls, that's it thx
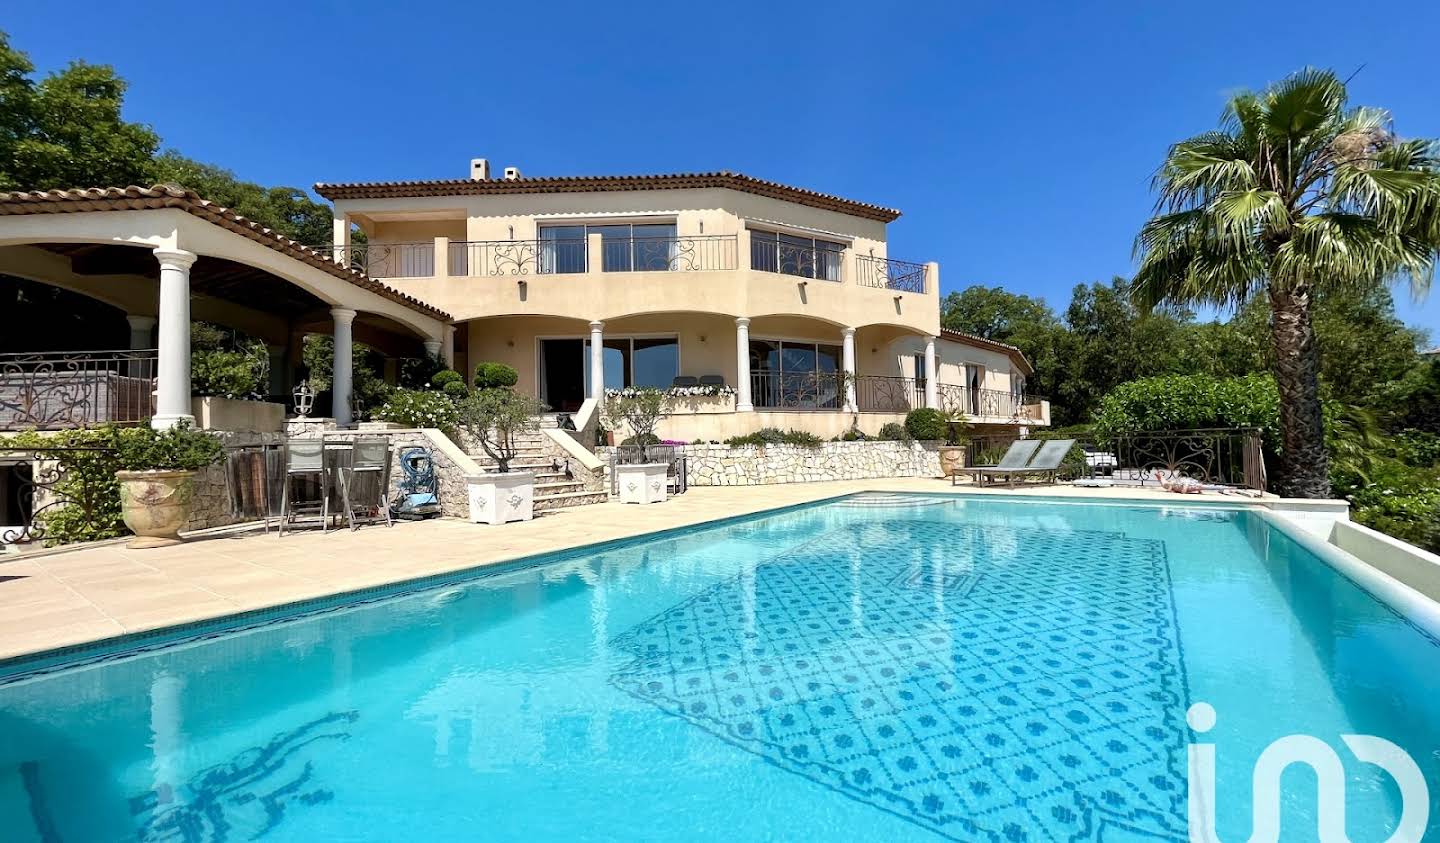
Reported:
(1024, 459)
(324, 482)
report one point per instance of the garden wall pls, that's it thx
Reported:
(724, 465)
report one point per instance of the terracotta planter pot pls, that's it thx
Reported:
(952, 460)
(155, 505)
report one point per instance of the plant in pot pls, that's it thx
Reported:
(157, 479)
(639, 410)
(495, 417)
(928, 425)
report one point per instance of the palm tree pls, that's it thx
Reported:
(1295, 195)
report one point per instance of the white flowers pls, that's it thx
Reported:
(700, 391)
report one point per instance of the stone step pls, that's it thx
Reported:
(565, 500)
(554, 487)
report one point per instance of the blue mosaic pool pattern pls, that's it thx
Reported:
(951, 674)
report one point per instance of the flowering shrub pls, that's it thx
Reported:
(702, 391)
(419, 408)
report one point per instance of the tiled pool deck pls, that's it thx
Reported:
(98, 592)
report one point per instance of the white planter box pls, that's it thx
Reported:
(643, 483)
(215, 413)
(498, 498)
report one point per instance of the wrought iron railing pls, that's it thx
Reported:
(36, 484)
(668, 254)
(797, 390)
(790, 259)
(481, 258)
(385, 260)
(677, 473)
(57, 390)
(881, 394)
(956, 400)
(890, 274)
(1219, 457)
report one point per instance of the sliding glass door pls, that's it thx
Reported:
(792, 375)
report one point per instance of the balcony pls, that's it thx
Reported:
(551, 256)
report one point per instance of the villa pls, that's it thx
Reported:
(783, 300)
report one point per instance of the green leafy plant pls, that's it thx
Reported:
(176, 449)
(495, 376)
(227, 363)
(637, 410)
(420, 372)
(495, 417)
(1183, 402)
(775, 436)
(927, 425)
(419, 408)
(87, 460)
(439, 379)
(893, 432)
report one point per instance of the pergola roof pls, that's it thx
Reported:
(85, 200)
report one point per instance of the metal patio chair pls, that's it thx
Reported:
(305, 459)
(369, 464)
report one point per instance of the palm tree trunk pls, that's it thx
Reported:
(1304, 462)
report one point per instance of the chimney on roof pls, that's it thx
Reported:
(480, 169)
(512, 173)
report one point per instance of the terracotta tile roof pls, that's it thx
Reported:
(971, 339)
(133, 198)
(594, 184)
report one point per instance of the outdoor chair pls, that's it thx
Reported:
(305, 459)
(1015, 458)
(365, 481)
(1045, 463)
(684, 380)
(712, 380)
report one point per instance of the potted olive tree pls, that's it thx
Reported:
(157, 479)
(494, 418)
(639, 410)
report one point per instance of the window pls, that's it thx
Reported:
(787, 254)
(797, 375)
(920, 373)
(649, 247)
(637, 361)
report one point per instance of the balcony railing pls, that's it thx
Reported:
(889, 274)
(879, 394)
(625, 254)
(58, 390)
(668, 254)
(797, 390)
(385, 260)
(790, 259)
(959, 400)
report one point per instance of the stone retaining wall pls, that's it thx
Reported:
(724, 465)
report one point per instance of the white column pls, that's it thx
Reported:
(597, 360)
(342, 371)
(932, 390)
(172, 396)
(743, 402)
(847, 363)
(447, 346)
(341, 240)
(141, 328)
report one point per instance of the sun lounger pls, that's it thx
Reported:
(1015, 458)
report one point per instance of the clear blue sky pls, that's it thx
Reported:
(1018, 138)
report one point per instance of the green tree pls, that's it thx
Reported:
(994, 313)
(1296, 194)
(66, 130)
(287, 210)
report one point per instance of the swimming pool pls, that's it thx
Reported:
(879, 667)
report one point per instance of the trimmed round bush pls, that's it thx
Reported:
(495, 376)
(455, 389)
(446, 376)
(927, 425)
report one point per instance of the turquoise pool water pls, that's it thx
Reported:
(877, 668)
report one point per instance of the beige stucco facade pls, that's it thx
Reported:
(521, 300)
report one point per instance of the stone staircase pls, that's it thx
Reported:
(555, 486)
